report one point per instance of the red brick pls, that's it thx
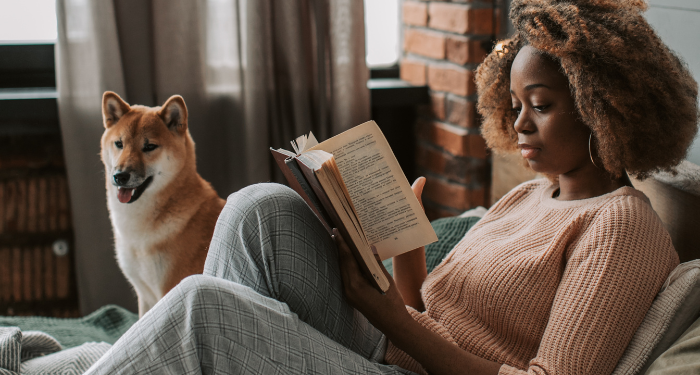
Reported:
(415, 13)
(479, 198)
(437, 101)
(450, 17)
(434, 212)
(456, 141)
(431, 160)
(454, 79)
(481, 22)
(450, 139)
(460, 18)
(463, 170)
(414, 72)
(477, 146)
(448, 194)
(461, 50)
(426, 43)
(497, 21)
(461, 112)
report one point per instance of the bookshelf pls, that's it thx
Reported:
(37, 273)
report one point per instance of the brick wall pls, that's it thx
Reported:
(443, 44)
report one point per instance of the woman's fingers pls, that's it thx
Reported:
(348, 265)
(386, 273)
(417, 188)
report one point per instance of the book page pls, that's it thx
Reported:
(322, 175)
(391, 216)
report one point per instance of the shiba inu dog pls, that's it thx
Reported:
(163, 213)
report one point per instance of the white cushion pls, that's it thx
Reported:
(674, 309)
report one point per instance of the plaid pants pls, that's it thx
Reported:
(269, 302)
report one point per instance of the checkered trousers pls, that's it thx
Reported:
(269, 302)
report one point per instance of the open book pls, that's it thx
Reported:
(354, 183)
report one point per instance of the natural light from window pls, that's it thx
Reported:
(27, 20)
(382, 32)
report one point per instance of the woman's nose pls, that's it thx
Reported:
(523, 124)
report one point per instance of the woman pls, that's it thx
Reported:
(554, 279)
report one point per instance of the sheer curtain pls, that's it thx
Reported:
(253, 73)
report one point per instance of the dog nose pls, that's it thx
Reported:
(122, 178)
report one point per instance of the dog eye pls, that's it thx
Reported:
(149, 147)
(119, 144)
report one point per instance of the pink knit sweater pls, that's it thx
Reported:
(546, 286)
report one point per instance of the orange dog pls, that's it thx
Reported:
(163, 213)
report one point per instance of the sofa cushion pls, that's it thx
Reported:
(683, 357)
(674, 309)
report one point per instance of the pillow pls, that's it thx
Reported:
(683, 357)
(674, 309)
(450, 231)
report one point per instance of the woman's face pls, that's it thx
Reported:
(551, 136)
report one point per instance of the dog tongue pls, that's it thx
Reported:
(124, 195)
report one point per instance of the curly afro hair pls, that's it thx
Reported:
(636, 96)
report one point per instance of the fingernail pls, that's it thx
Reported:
(374, 250)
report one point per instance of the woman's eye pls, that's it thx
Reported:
(149, 147)
(119, 144)
(517, 110)
(540, 108)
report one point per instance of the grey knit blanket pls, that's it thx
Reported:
(34, 352)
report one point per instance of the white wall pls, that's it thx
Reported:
(678, 24)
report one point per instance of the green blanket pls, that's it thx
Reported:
(450, 231)
(106, 324)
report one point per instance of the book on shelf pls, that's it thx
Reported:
(353, 182)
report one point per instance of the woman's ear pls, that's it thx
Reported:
(113, 108)
(174, 113)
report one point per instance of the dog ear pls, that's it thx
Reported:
(113, 108)
(174, 113)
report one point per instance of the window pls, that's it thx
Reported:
(27, 20)
(36, 236)
(382, 32)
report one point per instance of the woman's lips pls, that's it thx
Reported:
(528, 151)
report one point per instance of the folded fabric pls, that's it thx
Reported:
(106, 324)
(35, 352)
(683, 357)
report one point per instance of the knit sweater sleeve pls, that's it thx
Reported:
(612, 275)
(397, 356)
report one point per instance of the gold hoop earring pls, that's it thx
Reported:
(590, 151)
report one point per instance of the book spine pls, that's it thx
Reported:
(38, 275)
(53, 204)
(32, 197)
(63, 274)
(22, 206)
(10, 206)
(5, 274)
(17, 274)
(42, 202)
(49, 284)
(63, 210)
(27, 274)
(3, 203)
(316, 204)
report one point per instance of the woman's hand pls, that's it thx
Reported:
(417, 188)
(387, 312)
(409, 268)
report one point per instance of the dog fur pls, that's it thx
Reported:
(163, 213)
